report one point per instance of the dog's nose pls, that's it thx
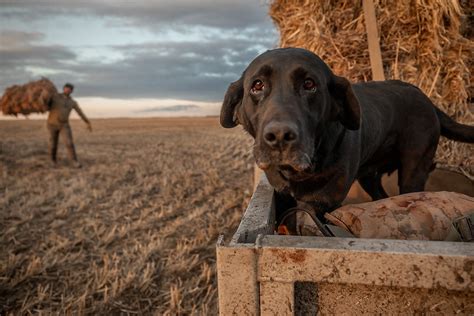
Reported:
(279, 134)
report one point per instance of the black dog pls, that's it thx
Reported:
(315, 133)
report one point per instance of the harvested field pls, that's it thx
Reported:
(133, 231)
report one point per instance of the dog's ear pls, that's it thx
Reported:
(348, 108)
(233, 98)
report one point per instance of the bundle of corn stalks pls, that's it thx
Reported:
(424, 42)
(33, 97)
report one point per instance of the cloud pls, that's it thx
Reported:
(211, 43)
(222, 14)
(192, 70)
(18, 39)
(196, 70)
(23, 54)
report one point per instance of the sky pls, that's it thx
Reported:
(134, 58)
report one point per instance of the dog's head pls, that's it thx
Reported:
(284, 99)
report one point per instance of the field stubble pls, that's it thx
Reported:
(133, 231)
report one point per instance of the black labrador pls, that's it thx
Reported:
(316, 133)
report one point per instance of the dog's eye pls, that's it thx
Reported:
(309, 85)
(257, 86)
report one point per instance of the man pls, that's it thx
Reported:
(58, 122)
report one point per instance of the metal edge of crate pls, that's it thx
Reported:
(259, 216)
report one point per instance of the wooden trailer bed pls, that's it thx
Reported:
(260, 273)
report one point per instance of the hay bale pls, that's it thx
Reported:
(33, 97)
(422, 42)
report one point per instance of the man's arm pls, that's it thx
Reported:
(82, 115)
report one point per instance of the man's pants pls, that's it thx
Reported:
(66, 131)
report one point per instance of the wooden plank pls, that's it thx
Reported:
(399, 263)
(373, 40)
(276, 298)
(237, 280)
(357, 299)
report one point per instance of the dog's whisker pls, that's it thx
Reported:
(310, 162)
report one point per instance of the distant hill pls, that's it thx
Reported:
(172, 108)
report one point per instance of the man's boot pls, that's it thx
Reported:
(76, 164)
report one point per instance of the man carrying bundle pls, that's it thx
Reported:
(58, 122)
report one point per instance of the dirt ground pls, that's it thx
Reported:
(133, 231)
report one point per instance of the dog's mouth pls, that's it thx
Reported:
(287, 171)
(290, 173)
(293, 163)
(295, 169)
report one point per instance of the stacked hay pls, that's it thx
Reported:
(421, 41)
(33, 97)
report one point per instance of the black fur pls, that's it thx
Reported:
(339, 131)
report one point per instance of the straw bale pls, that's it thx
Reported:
(425, 42)
(33, 97)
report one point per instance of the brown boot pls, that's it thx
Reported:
(76, 164)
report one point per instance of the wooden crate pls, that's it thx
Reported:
(267, 274)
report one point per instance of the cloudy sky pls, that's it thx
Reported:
(134, 58)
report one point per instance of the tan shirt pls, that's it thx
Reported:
(61, 107)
